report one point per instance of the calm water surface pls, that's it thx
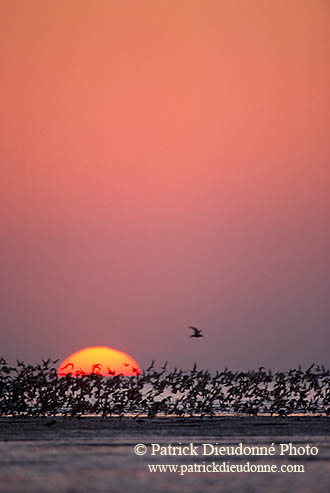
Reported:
(94, 455)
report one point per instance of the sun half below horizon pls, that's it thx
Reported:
(100, 360)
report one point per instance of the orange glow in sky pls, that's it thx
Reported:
(165, 164)
(100, 360)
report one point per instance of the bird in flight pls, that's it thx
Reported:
(67, 366)
(197, 332)
(96, 368)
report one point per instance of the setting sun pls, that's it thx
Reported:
(101, 360)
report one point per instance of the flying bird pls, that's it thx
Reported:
(151, 365)
(135, 370)
(197, 332)
(97, 367)
(67, 366)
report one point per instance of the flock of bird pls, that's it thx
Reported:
(27, 390)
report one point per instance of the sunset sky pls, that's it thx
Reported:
(165, 163)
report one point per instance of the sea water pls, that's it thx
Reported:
(41, 455)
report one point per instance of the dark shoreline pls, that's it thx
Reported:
(46, 428)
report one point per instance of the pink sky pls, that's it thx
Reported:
(165, 164)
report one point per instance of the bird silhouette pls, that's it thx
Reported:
(151, 365)
(67, 366)
(96, 367)
(197, 332)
